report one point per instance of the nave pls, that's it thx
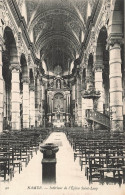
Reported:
(69, 177)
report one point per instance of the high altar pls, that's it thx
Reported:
(58, 102)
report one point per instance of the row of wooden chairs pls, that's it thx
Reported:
(101, 153)
(17, 147)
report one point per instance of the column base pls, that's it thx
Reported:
(117, 126)
(25, 125)
(15, 126)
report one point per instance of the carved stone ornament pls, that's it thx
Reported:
(25, 80)
(98, 66)
(32, 88)
(114, 39)
(15, 66)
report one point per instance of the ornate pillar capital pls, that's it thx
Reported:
(98, 66)
(114, 39)
(25, 79)
(15, 66)
(32, 88)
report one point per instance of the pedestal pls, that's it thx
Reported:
(49, 163)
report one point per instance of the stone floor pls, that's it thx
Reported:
(69, 178)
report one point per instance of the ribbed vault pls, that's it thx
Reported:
(56, 26)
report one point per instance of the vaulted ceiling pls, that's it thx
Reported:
(57, 26)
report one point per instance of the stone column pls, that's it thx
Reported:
(37, 111)
(124, 74)
(84, 107)
(52, 105)
(89, 79)
(1, 76)
(79, 102)
(15, 91)
(1, 87)
(69, 104)
(66, 103)
(25, 103)
(41, 107)
(32, 105)
(116, 103)
(76, 106)
(99, 86)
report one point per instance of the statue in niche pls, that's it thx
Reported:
(58, 108)
(58, 84)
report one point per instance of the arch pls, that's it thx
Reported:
(9, 56)
(10, 44)
(101, 43)
(24, 67)
(102, 63)
(117, 17)
(90, 65)
(90, 72)
(31, 75)
(44, 66)
(23, 72)
(84, 78)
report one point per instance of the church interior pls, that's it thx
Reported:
(62, 95)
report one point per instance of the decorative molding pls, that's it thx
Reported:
(114, 39)
(32, 87)
(25, 79)
(15, 66)
(98, 68)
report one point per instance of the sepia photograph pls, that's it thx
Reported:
(62, 97)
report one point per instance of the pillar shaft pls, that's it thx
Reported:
(116, 103)
(1, 76)
(79, 103)
(65, 105)
(32, 107)
(1, 91)
(41, 107)
(15, 91)
(84, 107)
(25, 105)
(37, 102)
(99, 87)
(89, 78)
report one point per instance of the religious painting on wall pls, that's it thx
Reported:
(58, 102)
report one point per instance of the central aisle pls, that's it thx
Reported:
(69, 178)
(67, 171)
